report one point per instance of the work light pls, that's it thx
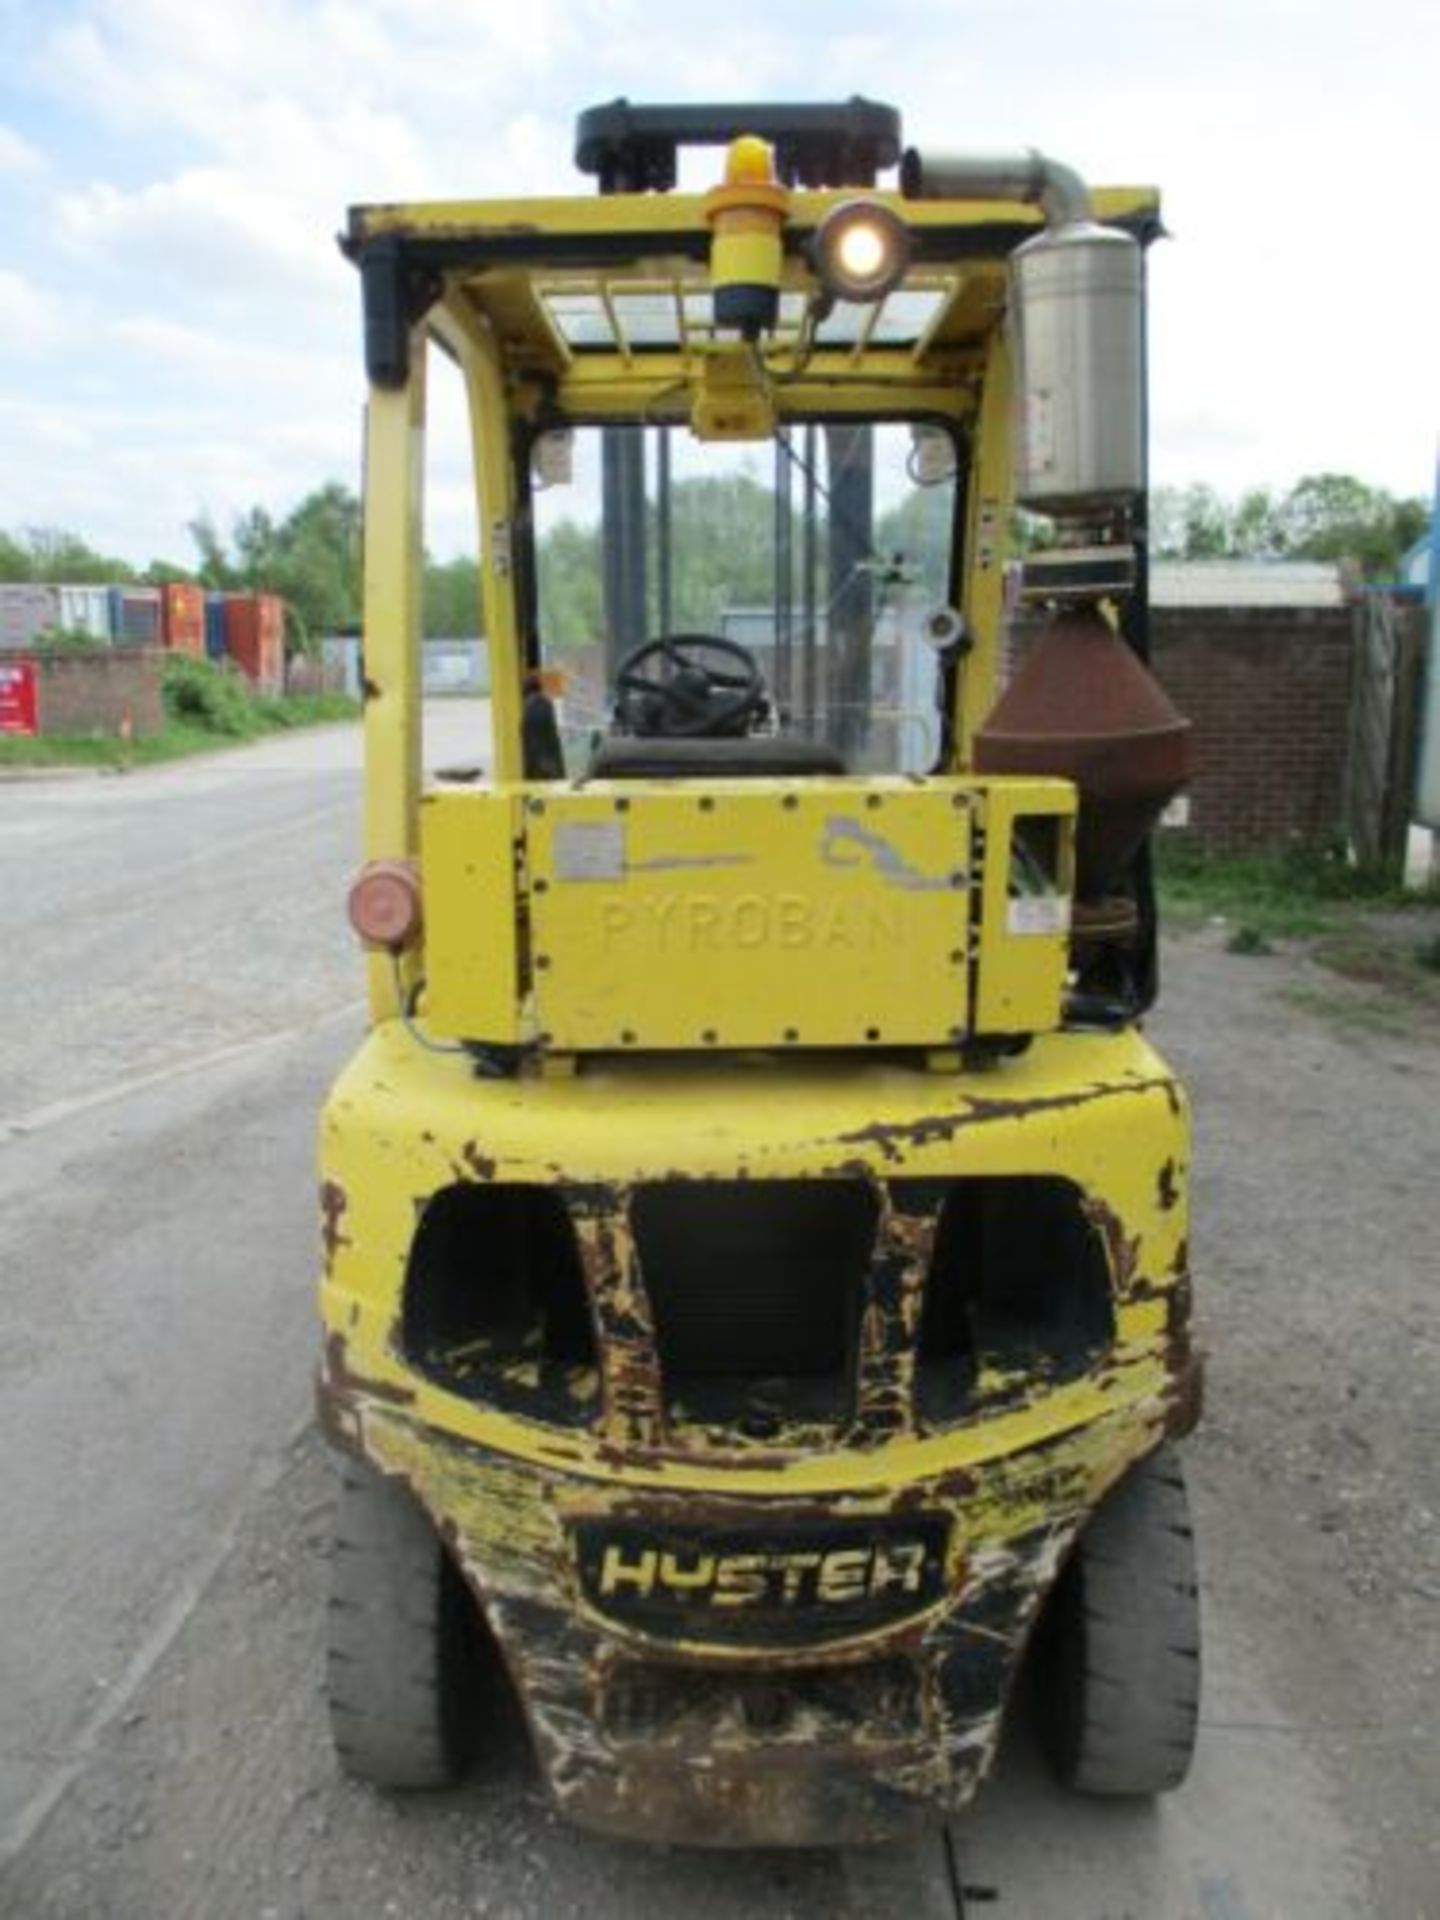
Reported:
(860, 251)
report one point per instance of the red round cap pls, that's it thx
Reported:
(384, 904)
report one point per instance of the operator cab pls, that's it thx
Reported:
(784, 607)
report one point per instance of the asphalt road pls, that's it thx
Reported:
(179, 988)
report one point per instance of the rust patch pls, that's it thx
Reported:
(333, 1202)
(481, 1165)
(1188, 1401)
(338, 1423)
(890, 1322)
(895, 1138)
(342, 1382)
(624, 1332)
(1124, 1252)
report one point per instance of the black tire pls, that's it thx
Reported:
(1119, 1693)
(401, 1640)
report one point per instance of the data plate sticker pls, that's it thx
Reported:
(589, 850)
(1038, 913)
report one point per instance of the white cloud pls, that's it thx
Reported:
(33, 319)
(17, 155)
(207, 228)
(191, 249)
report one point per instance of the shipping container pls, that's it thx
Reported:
(26, 611)
(255, 638)
(85, 610)
(135, 616)
(183, 623)
(215, 625)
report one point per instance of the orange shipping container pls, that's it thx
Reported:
(183, 624)
(255, 638)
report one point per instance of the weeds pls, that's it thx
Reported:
(206, 706)
(1248, 940)
(210, 697)
(1288, 895)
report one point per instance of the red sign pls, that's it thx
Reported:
(18, 705)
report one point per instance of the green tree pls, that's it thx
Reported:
(572, 596)
(1333, 516)
(14, 559)
(311, 558)
(451, 598)
(215, 569)
(58, 557)
(1324, 516)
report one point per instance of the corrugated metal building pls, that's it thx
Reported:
(1248, 583)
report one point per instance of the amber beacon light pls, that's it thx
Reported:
(747, 219)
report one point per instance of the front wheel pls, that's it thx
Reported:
(1120, 1647)
(402, 1635)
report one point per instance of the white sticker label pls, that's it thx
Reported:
(1039, 913)
(1177, 814)
(589, 850)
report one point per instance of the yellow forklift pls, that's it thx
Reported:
(756, 1310)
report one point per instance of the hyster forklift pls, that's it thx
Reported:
(756, 1302)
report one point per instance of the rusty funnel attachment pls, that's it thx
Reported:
(1085, 708)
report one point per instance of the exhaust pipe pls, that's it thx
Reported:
(1029, 176)
(1076, 304)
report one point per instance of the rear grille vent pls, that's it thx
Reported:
(755, 1290)
(1019, 1281)
(495, 1306)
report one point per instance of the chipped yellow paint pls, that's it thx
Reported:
(989, 513)
(472, 948)
(775, 912)
(394, 503)
(1024, 910)
(1099, 1109)
(656, 958)
(637, 217)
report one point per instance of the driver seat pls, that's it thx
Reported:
(628, 757)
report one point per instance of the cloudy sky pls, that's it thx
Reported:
(178, 332)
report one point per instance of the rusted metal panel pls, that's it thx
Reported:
(650, 1718)
(255, 638)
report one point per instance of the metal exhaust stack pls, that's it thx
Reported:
(1077, 311)
(1082, 704)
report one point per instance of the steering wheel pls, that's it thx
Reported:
(695, 697)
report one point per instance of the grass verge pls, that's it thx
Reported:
(1377, 937)
(1288, 895)
(206, 706)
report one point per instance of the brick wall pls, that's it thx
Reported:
(1268, 694)
(1267, 691)
(90, 693)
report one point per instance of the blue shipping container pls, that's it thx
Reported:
(215, 625)
(135, 618)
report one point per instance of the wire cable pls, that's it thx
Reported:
(407, 1003)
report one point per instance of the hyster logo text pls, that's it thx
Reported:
(840, 1576)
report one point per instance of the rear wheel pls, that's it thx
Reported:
(1120, 1652)
(402, 1639)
